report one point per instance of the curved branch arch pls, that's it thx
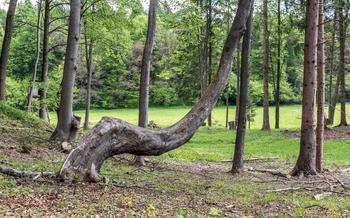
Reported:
(114, 136)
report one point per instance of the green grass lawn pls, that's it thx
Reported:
(216, 143)
(290, 116)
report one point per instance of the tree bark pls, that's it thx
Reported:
(331, 107)
(238, 80)
(5, 49)
(210, 49)
(266, 116)
(320, 89)
(89, 61)
(238, 165)
(68, 124)
(306, 163)
(45, 65)
(145, 71)
(37, 57)
(279, 58)
(113, 136)
(342, 38)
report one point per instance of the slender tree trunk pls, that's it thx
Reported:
(342, 38)
(227, 95)
(331, 99)
(68, 124)
(35, 69)
(45, 66)
(113, 136)
(89, 61)
(266, 116)
(238, 164)
(320, 89)
(6, 47)
(306, 163)
(238, 80)
(145, 71)
(279, 58)
(210, 49)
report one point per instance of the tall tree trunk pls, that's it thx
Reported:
(145, 71)
(113, 136)
(342, 38)
(210, 48)
(306, 163)
(332, 98)
(320, 89)
(89, 61)
(279, 58)
(68, 124)
(238, 164)
(266, 116)
(37, 57)
(45, 66)
(6, 47)
(238, 80)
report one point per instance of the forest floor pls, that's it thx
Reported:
(193, 181)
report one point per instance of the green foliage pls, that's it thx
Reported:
(16, 93)
(162, 95)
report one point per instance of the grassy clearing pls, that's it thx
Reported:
(290, 116)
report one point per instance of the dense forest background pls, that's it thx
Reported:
(119, 29)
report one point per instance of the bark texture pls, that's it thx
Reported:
(332, 97)
(5, 49)
(146, 71)
(279, 58)
(238, 164)
(89, 61)
(342, 39)
(113, 136)
(320, 89)
(306, 163)
(45, 66)
(266, 116)
(68, 124)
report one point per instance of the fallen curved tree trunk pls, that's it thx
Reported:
(113, 136)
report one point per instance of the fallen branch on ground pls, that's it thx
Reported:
(31, 174)
(253, 159)
(272, 172)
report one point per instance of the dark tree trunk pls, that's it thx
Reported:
(332, 98)
(238, 165)
(113, 136)
(68, 124)
(210, 49)
(320, 89)
(266, 116)
(306, 163)
(89, 61)
(342, 38)
(45, 66)
(5, 49)
(145, 71)
(37, 57)
(238, 80)
(279, 58)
